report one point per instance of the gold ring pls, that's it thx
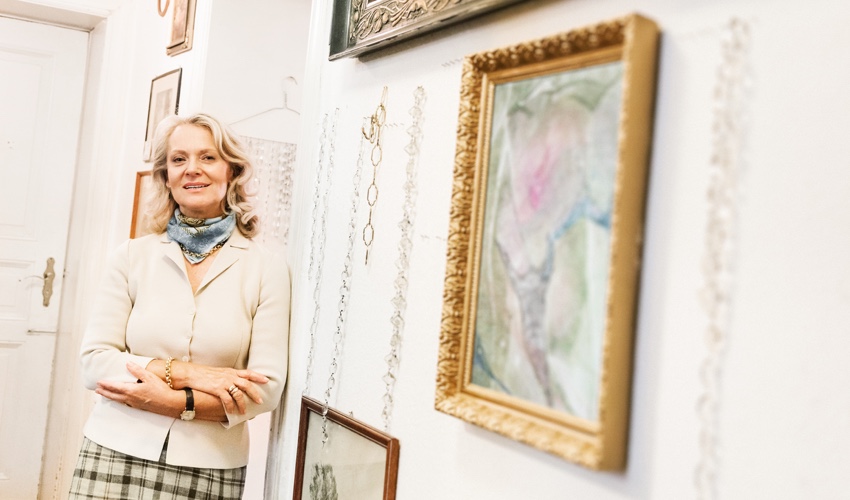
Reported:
(233, 389)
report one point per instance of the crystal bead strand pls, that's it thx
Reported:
(728, 132)
(405, 247)
(318, 232)
(344, 291)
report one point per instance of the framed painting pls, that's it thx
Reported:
(164, 101)
(362, 26)
(340, 457)
(545, 237)
(141, 202)
(182, 27)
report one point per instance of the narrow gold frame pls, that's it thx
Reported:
(600, 444)
(138, 224)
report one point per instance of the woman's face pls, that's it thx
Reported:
(197, 175)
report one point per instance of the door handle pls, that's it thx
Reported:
(49, 274)
(47, 285)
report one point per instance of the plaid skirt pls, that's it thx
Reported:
(106, 474)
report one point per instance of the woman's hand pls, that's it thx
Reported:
(149, 394)
(220, 382)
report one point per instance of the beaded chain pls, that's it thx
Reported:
(376, 128)
(405, 246)
(728, 132)
(318, 233)
(344, 292)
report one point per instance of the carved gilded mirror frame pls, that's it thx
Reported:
(598, 439)
(362, 26)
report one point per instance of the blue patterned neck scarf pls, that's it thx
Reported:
(199, 238)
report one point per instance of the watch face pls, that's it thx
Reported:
(187, 415)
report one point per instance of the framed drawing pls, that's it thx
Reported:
(164, 101)
(361, 26)
(182, 27)
(544, 239)
(355, 461)
(141, 200)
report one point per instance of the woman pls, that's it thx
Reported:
(189, 335)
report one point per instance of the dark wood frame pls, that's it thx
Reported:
(365, 431)
(158, 84)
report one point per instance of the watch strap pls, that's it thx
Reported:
(190, 399)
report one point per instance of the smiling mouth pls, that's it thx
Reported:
(196, 186)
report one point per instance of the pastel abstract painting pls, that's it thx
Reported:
(546, 238)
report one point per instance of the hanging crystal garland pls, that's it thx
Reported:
(405, 246)
(344, 291)
(324, 176)
(274, 164)
(728, 131)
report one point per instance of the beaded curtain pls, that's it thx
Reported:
(273, 171)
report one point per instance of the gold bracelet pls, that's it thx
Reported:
(168, 371)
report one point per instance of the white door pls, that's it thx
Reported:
(42, 72)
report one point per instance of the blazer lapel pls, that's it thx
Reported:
(173, 253)
(227, 256)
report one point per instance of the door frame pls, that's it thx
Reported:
(89, 240)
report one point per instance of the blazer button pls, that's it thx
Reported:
(185, 359)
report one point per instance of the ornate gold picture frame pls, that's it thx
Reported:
(362, 26)
(545, 238)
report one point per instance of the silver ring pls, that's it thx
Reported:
(233, 390)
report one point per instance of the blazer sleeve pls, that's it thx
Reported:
(268, 353)
(103, 353)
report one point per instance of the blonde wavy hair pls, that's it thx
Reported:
(239, 191)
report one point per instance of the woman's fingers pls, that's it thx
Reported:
(249, 389)
(140, 373)
(239, 398)
(227, 400)
(233, 400)
(253, 376)
(109, 393)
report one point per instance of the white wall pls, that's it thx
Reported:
(784, 407)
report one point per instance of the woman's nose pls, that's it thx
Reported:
(192, 165)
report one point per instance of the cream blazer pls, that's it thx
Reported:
(145, 309)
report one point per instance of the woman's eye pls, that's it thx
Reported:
(209, 158)
(177, 159)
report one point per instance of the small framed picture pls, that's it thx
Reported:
(182, 27)
(141, 202)
(164, 102)
(545, 236)
(340, 457)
